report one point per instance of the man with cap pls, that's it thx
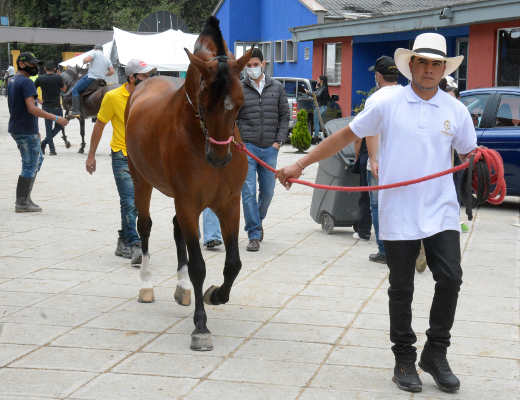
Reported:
(23, 127)
(386, 76)
(100, 66)
(418, 126)
(52, 85)
(113, 109)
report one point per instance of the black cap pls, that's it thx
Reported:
(385, 65)
(28, 57)
(50, 65)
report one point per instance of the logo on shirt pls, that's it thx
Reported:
(447, 127)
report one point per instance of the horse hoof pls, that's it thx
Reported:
(67, 145)
(201, 342)
(182, 296)
(208, 294)
(146, 296)
(81, 150)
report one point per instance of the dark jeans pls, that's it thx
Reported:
(125, 188)
(364, 225)
(30, 150)
(443, 258)
(374, 210)
(81, 85)
(50, 130)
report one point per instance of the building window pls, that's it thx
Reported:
(267, 51)
(291, 51)
(332, 65)
(508, 57)
(242, 47)
(279, 51)
(461, 75)
(307, 53)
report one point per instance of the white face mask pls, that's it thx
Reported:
(255, 72)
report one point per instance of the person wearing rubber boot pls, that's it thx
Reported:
(23, 127)
(113, 109)
(418, 127)
(100, 66)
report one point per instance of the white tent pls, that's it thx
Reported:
(164, 50)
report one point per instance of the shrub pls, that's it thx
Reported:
(301, 137)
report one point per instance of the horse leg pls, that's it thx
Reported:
(188, 222)
(143, 194)
(64, 137)
(183, 290)
(82, 133)
(229, 217)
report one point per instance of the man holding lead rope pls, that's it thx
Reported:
(418, 125)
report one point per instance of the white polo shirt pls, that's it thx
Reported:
(416, 140)
(380, 94)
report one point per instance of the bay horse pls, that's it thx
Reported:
(91, 98)
(170, 139)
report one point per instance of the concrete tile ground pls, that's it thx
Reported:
(307, 317)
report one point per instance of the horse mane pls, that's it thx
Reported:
(212, 29)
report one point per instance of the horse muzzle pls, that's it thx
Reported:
(215, 160)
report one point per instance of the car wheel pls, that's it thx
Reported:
(327, 223)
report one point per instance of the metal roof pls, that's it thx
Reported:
(353, 9)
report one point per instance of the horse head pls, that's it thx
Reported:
(214, 90)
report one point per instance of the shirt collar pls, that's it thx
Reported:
(124, 90)
(262, 81)
(412, 97)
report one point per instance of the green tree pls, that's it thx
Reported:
(300, 136)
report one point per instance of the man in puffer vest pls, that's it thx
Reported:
(263, 123)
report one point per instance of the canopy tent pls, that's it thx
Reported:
(164, 50)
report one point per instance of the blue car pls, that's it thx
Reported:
(496, 116)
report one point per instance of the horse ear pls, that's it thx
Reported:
(242, 61)
(199, 63)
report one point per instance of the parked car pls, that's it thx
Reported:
(496, 116)
(296, 90)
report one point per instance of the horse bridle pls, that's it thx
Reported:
(199, 114)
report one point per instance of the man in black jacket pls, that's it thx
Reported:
(263, 123)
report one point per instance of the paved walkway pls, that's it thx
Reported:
(307, 317)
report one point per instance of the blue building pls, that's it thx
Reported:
(266, 23)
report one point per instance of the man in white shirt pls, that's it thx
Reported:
(418, 126)
(386, 76)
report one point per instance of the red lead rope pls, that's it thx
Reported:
(491, 158)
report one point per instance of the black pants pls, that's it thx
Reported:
(364, 225)
(443, 258)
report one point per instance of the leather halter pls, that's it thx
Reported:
(200, 115)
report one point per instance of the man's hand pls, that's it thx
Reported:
(276, 145)
(292, 171)
(374, 168)
(62, 121)
(90, 164)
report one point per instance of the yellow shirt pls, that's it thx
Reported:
(113, 109)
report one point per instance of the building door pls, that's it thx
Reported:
(462, 72)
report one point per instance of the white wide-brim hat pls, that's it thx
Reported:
(426, 45)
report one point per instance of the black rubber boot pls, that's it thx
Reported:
(76, 105)
(406, 377)
(436, 364)
(23, 196)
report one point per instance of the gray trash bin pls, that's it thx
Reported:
(333, 208)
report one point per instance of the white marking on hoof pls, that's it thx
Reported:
(144, 272)
(201, 342)
(146, 295)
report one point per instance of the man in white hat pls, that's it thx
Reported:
(418, 127)
(113, 109)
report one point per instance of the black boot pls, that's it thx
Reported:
(23, 196)
(42, 146)
(436, 364)
(75, 110)
(406, 377)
